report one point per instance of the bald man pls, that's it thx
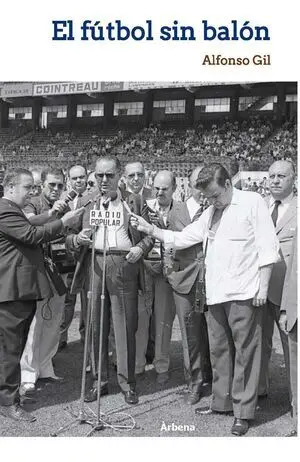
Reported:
(282, 205)
(175, 290)
(134, 173)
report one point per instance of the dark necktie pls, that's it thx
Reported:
(79, 201)
(198, 213)
(274, 215)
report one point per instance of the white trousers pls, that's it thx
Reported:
(42, 341)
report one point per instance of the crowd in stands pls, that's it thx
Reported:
(283, 144)
(248, 145)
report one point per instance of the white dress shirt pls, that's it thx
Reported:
(193, 207)
(282, 208)
(244, 241)
(117, 235)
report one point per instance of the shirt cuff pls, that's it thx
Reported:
(169, 239)
(265, 259)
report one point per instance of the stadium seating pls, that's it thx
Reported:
(251, 144)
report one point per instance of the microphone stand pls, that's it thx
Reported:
(99, 425)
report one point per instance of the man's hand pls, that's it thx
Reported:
(260, 298)
(72, 218)
(155, 219)
(283, 321)
(134, 254)
(84, 237)
(140, 224)
(59, 207)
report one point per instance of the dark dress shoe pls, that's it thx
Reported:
(206, 410)
(192, 398)
(131, 397)
(27, 388)
(55, 379)
(240, 427)
(140, 375)
(292, 433)
(16, 412)
(91, 395)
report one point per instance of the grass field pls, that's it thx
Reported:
(158, 406)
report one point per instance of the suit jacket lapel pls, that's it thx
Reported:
(176, 214)
(290, 213)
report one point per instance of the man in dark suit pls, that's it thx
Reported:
(134, 173)
(175, 291)
(288, 323)
(136, 192)
(78, 183)
(43, 337)
(125, 248)
(282, 204)
(23, 281)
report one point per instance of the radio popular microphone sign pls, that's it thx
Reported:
(105, 218)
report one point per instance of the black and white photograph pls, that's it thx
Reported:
(148, 259)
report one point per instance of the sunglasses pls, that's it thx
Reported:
(109, 176)
(91, 183)
(59, 185)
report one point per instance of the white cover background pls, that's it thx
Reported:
(28, 53)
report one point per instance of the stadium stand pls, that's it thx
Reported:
(166, 131)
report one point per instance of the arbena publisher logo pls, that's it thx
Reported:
(173, 427)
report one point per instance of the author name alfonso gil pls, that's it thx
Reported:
(220, 60)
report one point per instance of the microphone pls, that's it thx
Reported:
(111, 196)
(70, 196)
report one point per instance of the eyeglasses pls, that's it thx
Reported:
(109, 176)
(58, 185)
(91, 183)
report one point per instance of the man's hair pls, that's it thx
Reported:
(78, 165)
(12, 176)
(191, 172)
(293, 167)
(134, 162)
(52, 171)
(288, 161)
(209, 173)
(111, 159)
(172, 176)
